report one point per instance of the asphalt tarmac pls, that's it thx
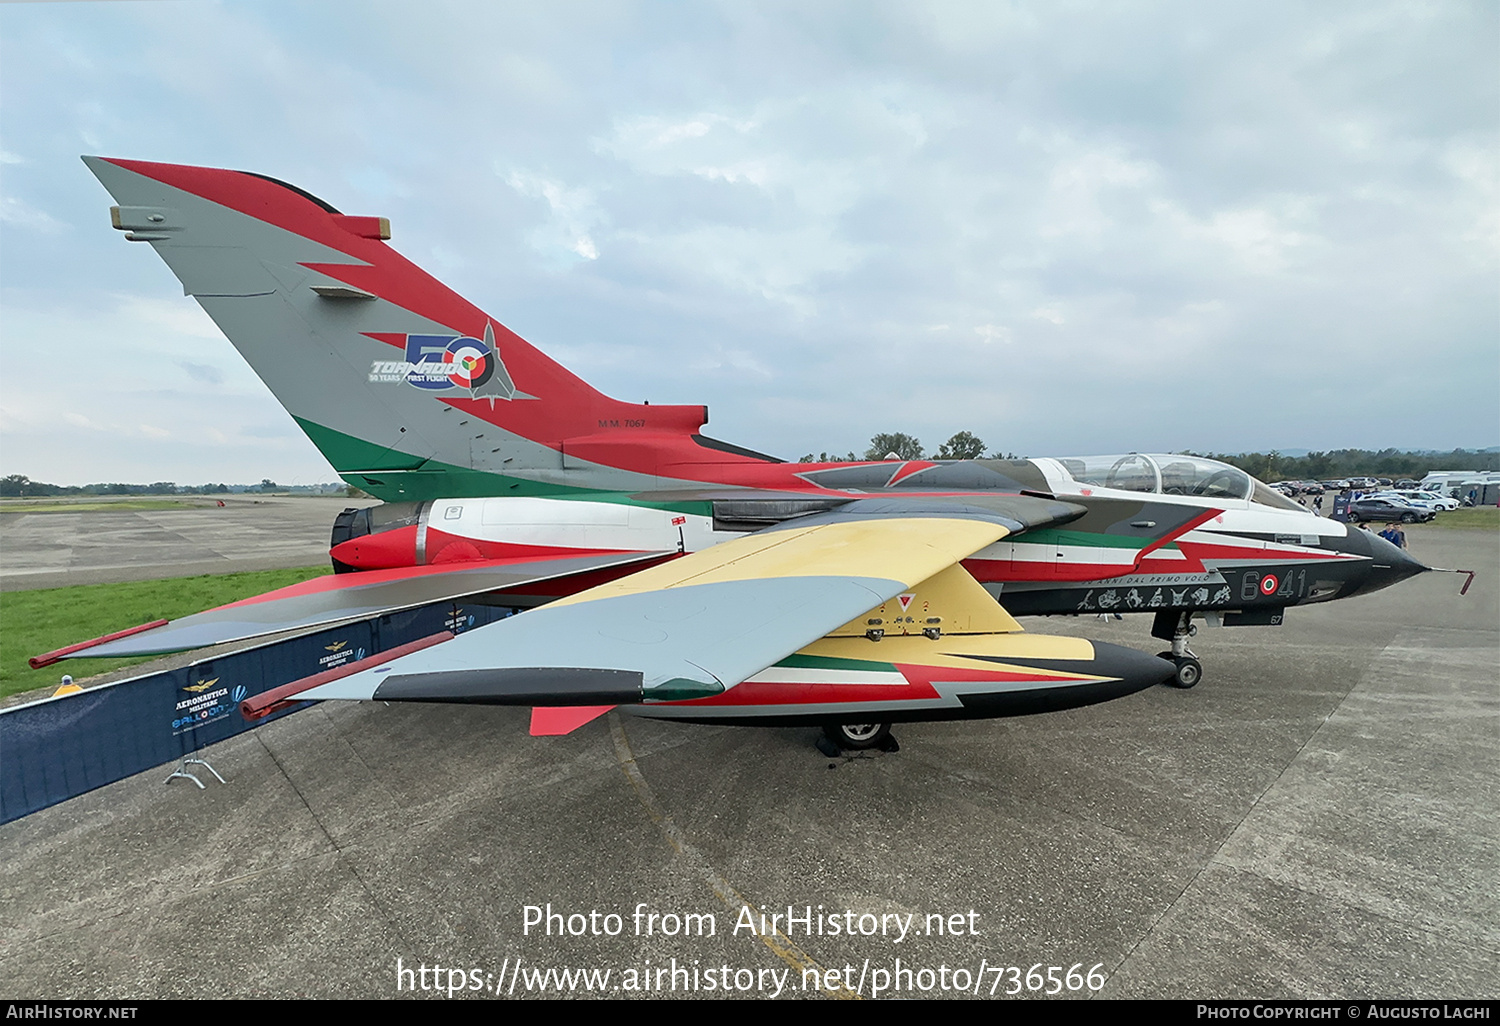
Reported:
(61, 549)
(1316, 819)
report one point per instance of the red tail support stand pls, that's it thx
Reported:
(277, 699)
(48, 658)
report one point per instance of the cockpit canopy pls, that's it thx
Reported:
(1172, 474)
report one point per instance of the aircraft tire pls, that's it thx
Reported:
(1189, 672)
(857, 736)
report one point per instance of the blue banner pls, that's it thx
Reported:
(56, 748)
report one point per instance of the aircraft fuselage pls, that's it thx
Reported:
(1128, 550)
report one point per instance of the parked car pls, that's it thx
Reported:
(1392, 510)
(1409, 500)
(1417, 497)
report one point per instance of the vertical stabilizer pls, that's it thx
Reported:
(409, 390)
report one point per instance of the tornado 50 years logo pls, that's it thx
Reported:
(443, 362)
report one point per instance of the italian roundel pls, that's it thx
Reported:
(1268, 584)
(448, 361)
(470, 362)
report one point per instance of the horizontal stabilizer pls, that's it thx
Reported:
(344, 597)
(78, 649)
(287, 695)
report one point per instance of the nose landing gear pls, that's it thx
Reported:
(1178, 627)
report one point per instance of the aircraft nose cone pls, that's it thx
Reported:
(1399, 556)
(1392, 564)
(1388, 564)
(1136, 669)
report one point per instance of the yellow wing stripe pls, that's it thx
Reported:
(905, 549)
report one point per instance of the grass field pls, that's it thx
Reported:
(1478, 517)
(33, 622)
(123, 505)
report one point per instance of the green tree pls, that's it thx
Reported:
(962, 446)
(906, 447)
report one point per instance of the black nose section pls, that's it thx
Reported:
(1136, 669)
(1388, 564)
(1121, 671)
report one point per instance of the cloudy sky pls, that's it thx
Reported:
(1068, 228)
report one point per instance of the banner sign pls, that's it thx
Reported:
(56, 748)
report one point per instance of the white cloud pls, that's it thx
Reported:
(1476, 165)
(19, 214)
(1261, 239)
(779, 266)
(573, 214)
(175, 318)
(1082, 183)
(721, 359)
(711, 146)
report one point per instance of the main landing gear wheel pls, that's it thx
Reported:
(857, 736)
(1189, 669)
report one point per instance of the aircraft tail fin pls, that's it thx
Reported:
(410, 390)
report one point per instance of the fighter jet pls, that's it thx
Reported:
(674, 574)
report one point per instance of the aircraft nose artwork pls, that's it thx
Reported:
(864, 592)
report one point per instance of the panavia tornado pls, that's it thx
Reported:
(672, 574)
